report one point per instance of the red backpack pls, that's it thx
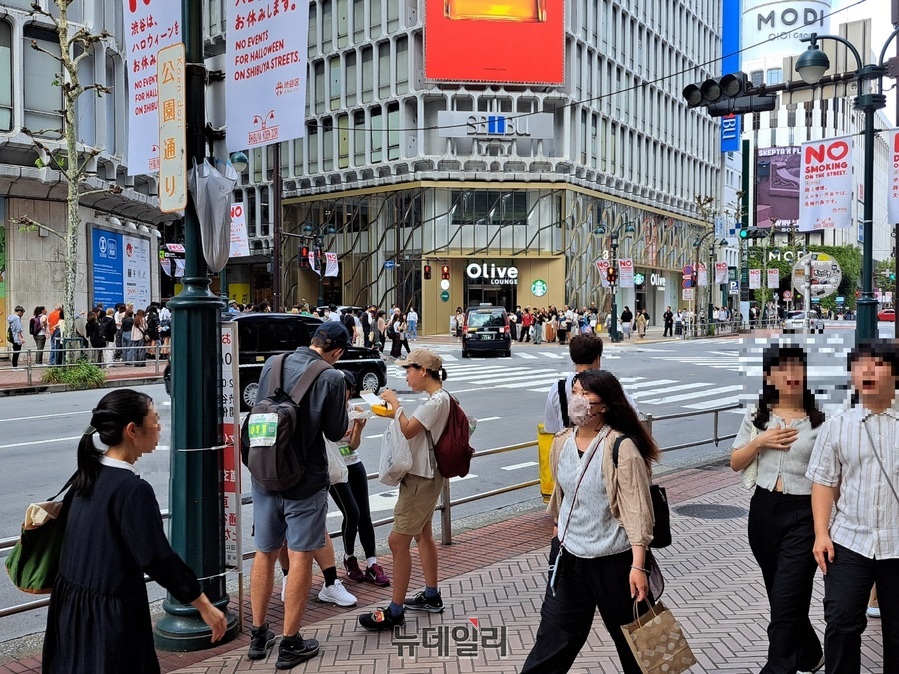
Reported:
(453, 451)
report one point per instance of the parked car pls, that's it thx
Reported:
(797, 321)
(886, 315)
(486, 328)
(260, 336)
(342, 308)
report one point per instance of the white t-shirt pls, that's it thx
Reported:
(433, 415)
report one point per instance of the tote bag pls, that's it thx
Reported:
(658, 642)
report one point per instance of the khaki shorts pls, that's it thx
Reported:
(416, 503)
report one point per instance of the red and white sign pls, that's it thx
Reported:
(893, 187)
(331, 265)
(788, 295)
(150, 26)
(626, 272)
(825, 190)
(755, 279)
(603, 267)
(240, 245)
(774, 279)
(720, 273)
(702, 278)
(265, 90)
(231, 454)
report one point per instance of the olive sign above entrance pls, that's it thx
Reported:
(492, 275)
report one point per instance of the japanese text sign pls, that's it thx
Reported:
(240, 246)
(893, 186)
(231, 458)
(172, 125)
(825, 190)
(626, 272)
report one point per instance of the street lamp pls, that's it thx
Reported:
(697, 243)
(240, 163)
(811, 66)
(599, 231)
(315, 235)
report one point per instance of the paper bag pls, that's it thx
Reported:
(658, 643)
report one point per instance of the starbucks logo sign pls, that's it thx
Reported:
(538, 288)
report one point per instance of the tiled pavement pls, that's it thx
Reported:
(497, 574)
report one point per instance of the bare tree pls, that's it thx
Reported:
(72, 158)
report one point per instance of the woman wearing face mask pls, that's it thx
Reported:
(604, 523)
(780, 434)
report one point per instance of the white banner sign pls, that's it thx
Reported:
(150, 25)
(774, 278)
(240, 245)
(893, 187)
(265, 91)
(825, 190)
(331, 267)
(755, 279)
(702, 278)
(603, 267)
(720, 273)
(626, 273)
(687, 294)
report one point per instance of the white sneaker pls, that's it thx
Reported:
(873, 612)
(337, 594)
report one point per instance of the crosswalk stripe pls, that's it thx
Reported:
(690, 396)
(624, 382)
(498, 377)
(448, 357)
(669, 389)
(550, 354)
(526, 464)
(528, 356)
(717, 402)
(543, 380)
(654, 382)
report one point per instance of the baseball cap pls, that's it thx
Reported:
(333, 334)
(424, 358)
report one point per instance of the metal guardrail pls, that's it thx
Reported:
(93, 355)
(447, 503)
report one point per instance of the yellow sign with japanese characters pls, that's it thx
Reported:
(172, 125)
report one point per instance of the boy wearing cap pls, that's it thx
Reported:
(298, 515)
(419, 491)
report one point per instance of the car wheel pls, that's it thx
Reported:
(464, 353)
(249, 391)
(369, 381)
(505, 354)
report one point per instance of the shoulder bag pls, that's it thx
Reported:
(661, 528)
(886, 476)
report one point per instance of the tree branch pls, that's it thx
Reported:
(37, 9)
(37, 47)
(26, 224)
(114, 189)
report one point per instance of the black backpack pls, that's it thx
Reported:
(34, 326)
(391, 331)
(108, 326)
(453, 451)
(272, 446)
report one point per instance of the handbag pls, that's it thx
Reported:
(658, 642)
(750, 473)
(33, 563)
(661, 515)
(396, 456)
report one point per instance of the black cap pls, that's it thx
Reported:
(333, 333)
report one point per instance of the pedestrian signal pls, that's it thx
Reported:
(444, 272)
(612, 275)
(304, 256)
(427, 272)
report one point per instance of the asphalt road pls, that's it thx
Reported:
(39, 434)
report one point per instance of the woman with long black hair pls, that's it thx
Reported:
(776, 442)
(99, 616)
(604, 521)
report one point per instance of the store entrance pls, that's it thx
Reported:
(500, 296)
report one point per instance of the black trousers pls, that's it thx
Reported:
(669, 327)
(847, 586)
(584, 585)
(781, 536)
(16, 348)
(351, 498)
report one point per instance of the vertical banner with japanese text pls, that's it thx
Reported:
(331, 265)
(825, 191)
(603, 267)
(720, 273)
(240, 245)
(774, 279)
(755, 279)
(150, 25)
(893, 187)
(265, 90)
(626, 272)
(231, 439)
(702, 277)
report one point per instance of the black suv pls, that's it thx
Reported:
(260, 336)
(486, 328)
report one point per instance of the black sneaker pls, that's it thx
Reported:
(294, 650)
(261, 639)
(422, 603)
(380, 619)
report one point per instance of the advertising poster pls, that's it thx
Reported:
(777, 174)
(150, 25)
(240, 244)
(826, 186)
(774, 279)
(893, 187)
(721, 273)
(626, 273)
(120, 267)
(265, 90)
(702, 276)
(511, 42)
(755, 279)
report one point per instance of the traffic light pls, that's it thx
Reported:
(732, 94)
(753, 233)
(444, 272)
(427, 272)
(612, 275)
(304, 257)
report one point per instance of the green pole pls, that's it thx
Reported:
(196, 500)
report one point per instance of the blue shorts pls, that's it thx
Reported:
(302, 523)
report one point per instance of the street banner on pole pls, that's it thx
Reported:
(626, 272)
(172, 129)
(774, 279)
(231, 455)
(265, 91)
(313, 261)
(702, 277)
(720, 273)
(755, 279)
(603, 267)
(331, 265)
(150, 26)
(893, 187)
(826, 185)
(240, 245)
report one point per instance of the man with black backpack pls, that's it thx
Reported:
(292, 505)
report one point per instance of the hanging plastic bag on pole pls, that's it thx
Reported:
(212, 194)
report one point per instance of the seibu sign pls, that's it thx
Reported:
(492, 275)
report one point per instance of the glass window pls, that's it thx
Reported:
(775, 75)
(377, 137)
(5, 76)
(109, 103)
(350, 81)
(264, 220)
(42, 100)
(384, 74)
(20, 4)
(343, 141)
(374, 15)
(393, 133)
(359, 138)
(327, 25)
(393, 16)
(318, 70)
(343, 23)
(87, 102)
(312, 146)
(313, 31)
(402, 65)
(327, 144)
(368, 74)
(358, 20)
(251, 213)
(336, 77)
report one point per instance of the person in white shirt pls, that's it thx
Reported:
(412, 323)
(419, 492)
(855, 467)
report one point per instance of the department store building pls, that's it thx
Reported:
(516, 187)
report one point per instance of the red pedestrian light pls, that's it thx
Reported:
(444, 272)
(427, 272)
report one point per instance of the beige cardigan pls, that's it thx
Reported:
(627, 487)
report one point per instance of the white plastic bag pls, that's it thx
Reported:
(337, 470)
(396, 456)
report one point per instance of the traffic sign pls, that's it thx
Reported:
(444, 296)
(688, 270)
(172, 129)
(390, 264)
(825, 271)
(788, 295)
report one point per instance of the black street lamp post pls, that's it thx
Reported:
(811, 66)
(600, 230)
(316, 236)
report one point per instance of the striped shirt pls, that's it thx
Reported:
(867, 511)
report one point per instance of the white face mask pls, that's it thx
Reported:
(580, 410)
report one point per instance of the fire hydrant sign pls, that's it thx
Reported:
(172, 126)
(265, 89)
(825, 189)
(150, 26)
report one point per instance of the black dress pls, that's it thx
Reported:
(99, 616)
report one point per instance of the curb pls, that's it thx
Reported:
(59, 388)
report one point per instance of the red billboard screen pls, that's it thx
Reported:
(503, 41)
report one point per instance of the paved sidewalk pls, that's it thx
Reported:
(497, 575)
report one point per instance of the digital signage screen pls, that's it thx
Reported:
(501, 41)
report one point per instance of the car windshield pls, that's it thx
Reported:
(486, 319)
